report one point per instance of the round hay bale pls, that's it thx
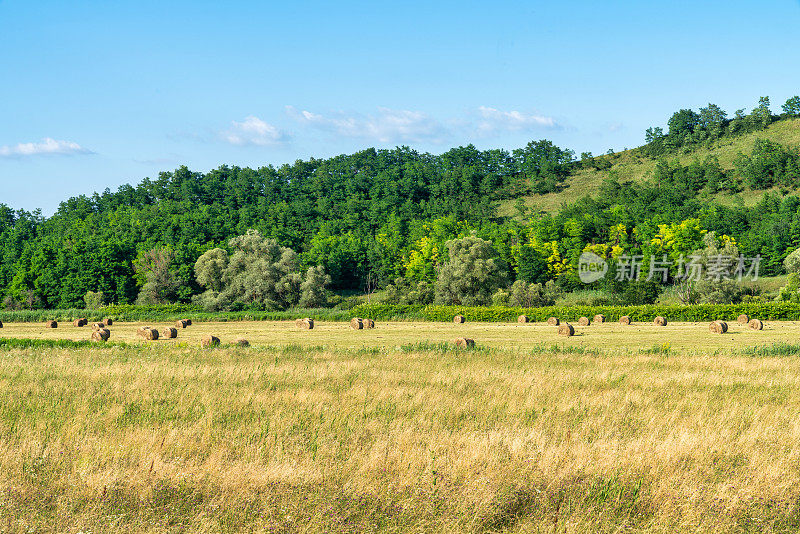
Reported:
(146, 332)
(599, 318)
(188, 322)
(51, 324)
(181, 323)
(150, 334)
(209, 341)
(169, 332)
(743, 319)
(660, 321)
(566, 329)
(1, 324)
(553, 321)
(755, 324)
(80, 322)
(368, 323)
(459, 319)
(464, 342)
(241, 342)
(718, 327)
(98, 326)
(356, 323)
(101, 335)
(584, 321)
(625, 319)
(108, 321)
(306, 323)
(522, 319)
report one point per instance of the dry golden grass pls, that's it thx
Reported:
(393, 334)
(335, 430)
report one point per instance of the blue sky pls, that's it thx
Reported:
(97, 94)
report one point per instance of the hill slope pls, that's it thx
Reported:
(632, 165)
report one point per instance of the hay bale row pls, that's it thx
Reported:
(660, 321)
(553, 321)
(718, 327)
(584, 321)
(464, 342)
(459, 319)
(51, 324)
(566, 329)
(306, 323)
(625, 319)
(522, 319)
(101, 335)
(209, 341)
(83, 321)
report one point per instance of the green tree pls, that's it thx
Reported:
(154, 267)
(532, 266)
(313, 293)
(472, 273)
(681, 125)
(792, 106)
(259, 273)
(761, 116)
(712, 120)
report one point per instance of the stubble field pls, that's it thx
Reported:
(638, 428)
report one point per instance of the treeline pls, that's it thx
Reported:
(382, 219)
(688, 128)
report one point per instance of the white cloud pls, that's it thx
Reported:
(254, 131)
(46, 146)
(492, 121)
(385, 126)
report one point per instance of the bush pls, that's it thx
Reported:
(93, 300)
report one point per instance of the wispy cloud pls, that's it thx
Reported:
(46, 146)
(492, 122)
(255, 132)
(385, 126)
(408, 126)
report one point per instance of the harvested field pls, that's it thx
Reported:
(392, 334)
(638, 428)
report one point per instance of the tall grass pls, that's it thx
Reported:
(423, 439)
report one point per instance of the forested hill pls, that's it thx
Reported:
(377, 215)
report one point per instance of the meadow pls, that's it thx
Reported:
(638, 428)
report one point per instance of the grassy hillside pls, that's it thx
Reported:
(631, 165)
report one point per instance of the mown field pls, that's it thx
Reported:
(390, 335)
(639, 428)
